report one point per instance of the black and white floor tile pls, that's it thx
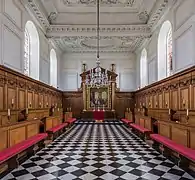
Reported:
(98, 151)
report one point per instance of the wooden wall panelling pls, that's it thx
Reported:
(184, 98)
(184, 83)
(4, 138)
(123, 100)
(36, 100)
(148, 123)
(160, 100)
(180, 134)
(191, 140)
(46, 104)
(17, 135)
(165, 129)
(40, 104)
(75, 101)
(11, 91)
(174, 99)
(21, 99)
(155, 103)
(32, 129)
(142, 122)
(3, 95)
(166, 99)
(193, 96)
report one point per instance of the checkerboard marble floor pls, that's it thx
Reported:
(104, 151)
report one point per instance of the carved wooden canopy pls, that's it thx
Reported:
(111, 74)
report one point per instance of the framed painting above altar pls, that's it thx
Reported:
(98, 97)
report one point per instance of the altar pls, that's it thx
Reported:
(98, 102)
(98, 115)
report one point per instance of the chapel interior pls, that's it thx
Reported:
(97, 89)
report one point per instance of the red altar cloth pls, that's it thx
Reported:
(98, 115)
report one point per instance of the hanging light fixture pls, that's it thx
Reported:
(97, 77)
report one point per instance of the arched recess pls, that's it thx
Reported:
(31, 51)
(143, 69)
(53, 68)
(165, 64)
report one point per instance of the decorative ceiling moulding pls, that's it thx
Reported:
(118, 3)
(38, 12)
(157, 13)
(65, 30)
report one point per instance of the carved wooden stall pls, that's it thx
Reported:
(124, 103)
(73, 104)
(24, 102)
(171, 102)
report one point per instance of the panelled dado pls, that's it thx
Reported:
(18, 92)
(175, 94)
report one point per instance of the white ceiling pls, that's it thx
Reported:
(124, 24)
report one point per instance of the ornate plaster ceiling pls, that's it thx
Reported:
(102, 2)
(71, 24)
(107, 44)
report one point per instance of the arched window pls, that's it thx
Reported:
(31, 50)
(53, 68)
(26, 52)
(165, 52)
(143, 69)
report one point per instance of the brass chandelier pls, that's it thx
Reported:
(97, 77)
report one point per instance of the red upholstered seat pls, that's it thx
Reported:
(18, 148)
(139, 128)
(71, 120)
(184, 151)
(57, 128)
(126, 121)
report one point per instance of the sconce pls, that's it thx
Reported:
(184, 103)
(58, 109)
(40, 104)
(166, 104)
(9, 113)
(12, 103)
(156, 104)
(56, 105)
(84, 67)
(187, 116)
(47, 104)
(30, 104)
(113, 67)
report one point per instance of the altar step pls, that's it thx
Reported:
(92, 121)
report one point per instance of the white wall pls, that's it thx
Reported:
(182, 18)
(71, 68)
(13, 17)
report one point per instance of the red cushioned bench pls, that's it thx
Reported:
(11, 156)
(144, 132)
(57, 130)
(126, 121)
(178, 148)
(71, 121)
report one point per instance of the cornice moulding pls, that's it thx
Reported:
(59, 30)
